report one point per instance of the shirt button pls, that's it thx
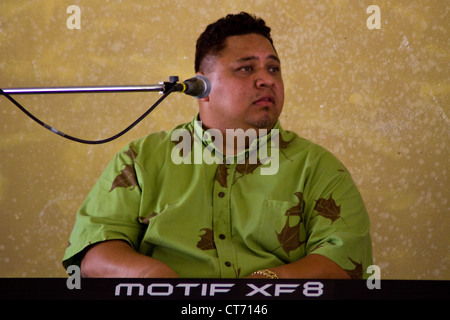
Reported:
(221, 194)
(228, 264)
(221, 236)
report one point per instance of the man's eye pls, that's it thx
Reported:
(274, 69)
(246, 68)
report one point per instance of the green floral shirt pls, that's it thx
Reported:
(227, 218)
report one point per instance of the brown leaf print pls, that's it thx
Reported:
(328, 209)
(146, 220)
(206, 241)
(357, 272)
(289, 237)
(222, 174)
(131, 154)
(125, 179)
(127, 176)
(298, 209)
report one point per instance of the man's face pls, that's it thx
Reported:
(247, 87)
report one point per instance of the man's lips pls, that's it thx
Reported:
(265, 100)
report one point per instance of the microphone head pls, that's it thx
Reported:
(198, 86)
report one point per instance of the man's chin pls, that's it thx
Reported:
(263, 122)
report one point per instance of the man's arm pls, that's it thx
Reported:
(116, 259)
(313, 266)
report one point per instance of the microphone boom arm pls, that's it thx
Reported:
(98, 89)
(162, 87)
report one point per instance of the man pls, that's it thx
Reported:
(148, 216)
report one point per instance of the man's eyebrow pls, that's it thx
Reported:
(245, 59)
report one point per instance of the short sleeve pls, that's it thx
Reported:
(338, 224)
(111, 209)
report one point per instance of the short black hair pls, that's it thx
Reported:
(212, 40)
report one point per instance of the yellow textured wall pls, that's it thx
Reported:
(377, 98)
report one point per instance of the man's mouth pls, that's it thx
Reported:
(265, 100)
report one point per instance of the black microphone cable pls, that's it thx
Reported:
(121, 133)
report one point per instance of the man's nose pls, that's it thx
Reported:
(264, 79)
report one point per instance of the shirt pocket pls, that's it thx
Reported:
(280, 232)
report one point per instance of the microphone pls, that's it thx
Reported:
(198, 86)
